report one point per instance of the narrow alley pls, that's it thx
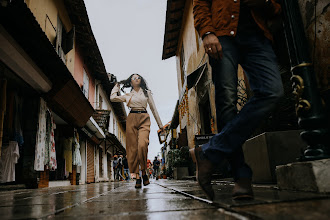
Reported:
(170, 109)
(162, 199)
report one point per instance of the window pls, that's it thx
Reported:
(86, 84)
(114, 126)
(64, 40)
(205, 115)
(100, 102)
(110, 118)
(183, 66)
(59, 36)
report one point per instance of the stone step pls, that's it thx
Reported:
(270, 149)
(313, 176)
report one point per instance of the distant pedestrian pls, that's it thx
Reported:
(156, 165)
(137, 124)
(149, 168)
(114, 166)
(119, 169)
(236, 32)
(126, 169)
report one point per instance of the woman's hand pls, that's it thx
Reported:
(212, 46)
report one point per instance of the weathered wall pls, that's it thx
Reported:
(322, 41)
(78, 75)
(46, 13)
(194, 57)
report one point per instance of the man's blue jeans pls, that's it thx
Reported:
(255, 54)
(127, 174)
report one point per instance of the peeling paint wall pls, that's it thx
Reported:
(194, 57)
(322, 40)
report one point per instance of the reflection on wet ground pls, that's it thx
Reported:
(162, 199)
(269, 202)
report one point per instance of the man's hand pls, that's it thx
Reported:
(255, 3)
(212, 46)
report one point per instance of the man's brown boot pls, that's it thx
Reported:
(203, 172)
(243, 189)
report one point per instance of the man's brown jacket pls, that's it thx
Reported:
(221, 16)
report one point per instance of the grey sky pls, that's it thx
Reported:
(130, 36)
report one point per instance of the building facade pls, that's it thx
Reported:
(196, 114)
(55, 108)
(194, 117)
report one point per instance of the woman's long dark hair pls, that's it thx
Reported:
(127, 84)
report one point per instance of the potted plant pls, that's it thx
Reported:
(180, 161)
(163, 172)
(169, 173)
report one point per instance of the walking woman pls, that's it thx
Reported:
(137, 124)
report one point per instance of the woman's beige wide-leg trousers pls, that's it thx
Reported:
(137, 140)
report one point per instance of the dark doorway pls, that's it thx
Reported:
(205, 115)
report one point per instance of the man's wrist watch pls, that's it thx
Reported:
(207, 33)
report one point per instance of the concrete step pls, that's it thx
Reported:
(313, 176)
(270, 149)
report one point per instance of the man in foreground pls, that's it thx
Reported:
(235, 32)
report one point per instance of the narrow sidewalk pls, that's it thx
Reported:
(269, 202)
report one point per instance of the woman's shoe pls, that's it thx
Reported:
(138, 184)
(145, 180)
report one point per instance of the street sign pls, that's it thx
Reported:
(202, 139)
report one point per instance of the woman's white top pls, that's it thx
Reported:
(136, 99)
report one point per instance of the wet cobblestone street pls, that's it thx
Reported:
(163, 199)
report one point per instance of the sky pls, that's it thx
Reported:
(130, 35)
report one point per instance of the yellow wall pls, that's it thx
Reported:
(46, 12)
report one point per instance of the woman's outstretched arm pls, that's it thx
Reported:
(154, 110)
(114, 97)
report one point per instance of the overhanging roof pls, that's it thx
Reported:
(86, 41)
(92, 56)
(115, 142)
(20, 23)
(173, 23)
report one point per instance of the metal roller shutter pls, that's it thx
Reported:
(90, 163)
